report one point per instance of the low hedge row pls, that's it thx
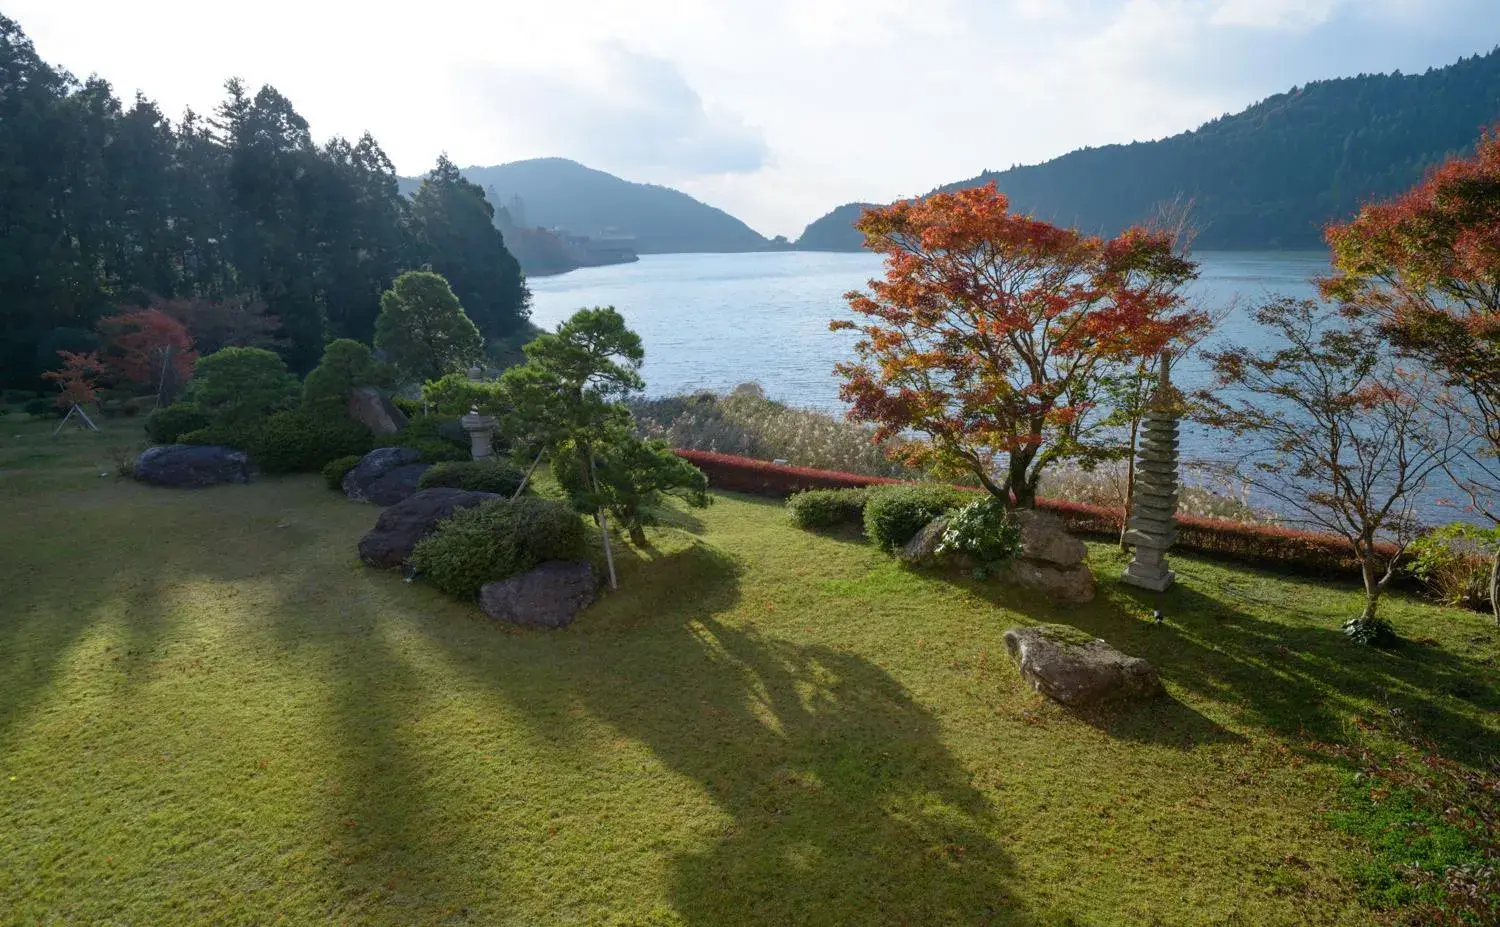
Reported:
(1260, 545)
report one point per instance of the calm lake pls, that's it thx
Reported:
(711, 321)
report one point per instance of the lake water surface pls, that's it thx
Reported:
(711, 321)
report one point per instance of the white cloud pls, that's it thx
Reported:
(621, 111)
(775, 110)
(1274, 14)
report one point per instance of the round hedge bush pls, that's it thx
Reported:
(492, 475)
(895, 514)
(828, 508)
(436, 438)
(495, 540)
(168, 425)
(335, 470)
(296, 442)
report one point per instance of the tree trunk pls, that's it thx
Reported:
(1373, 586)
(609, 556)
(1135, 427)
(637, 535)
(1021, 487)
(1495, 587)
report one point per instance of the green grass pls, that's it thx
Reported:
(211, 712)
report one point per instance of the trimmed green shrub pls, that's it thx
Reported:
(167, 425)
(491, 475)
(895, 514)
(297, 442)
(495, 540)
(346, 364)
(412, 407)
(236, 387)
(335, 470)
(437, 438)
(984, 531)
(456, 394)
(828, 508)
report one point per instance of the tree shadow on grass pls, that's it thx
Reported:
(1300, 679)
(844, 805)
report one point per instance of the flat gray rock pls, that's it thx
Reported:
(550, 596)
(1068, 666)
(189, 466)
(389, 544)
(372, 467)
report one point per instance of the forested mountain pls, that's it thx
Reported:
(241, 218)
(1268, 177)
(564, 194)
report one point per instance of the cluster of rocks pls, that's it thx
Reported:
(1050, 562)
(550, 596)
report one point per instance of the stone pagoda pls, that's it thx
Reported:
(1153, 509)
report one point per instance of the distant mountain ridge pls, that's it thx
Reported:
(559, 193)
(1270, 176)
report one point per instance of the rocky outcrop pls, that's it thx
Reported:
(375, 411)
(550, 596)
(1044, 539)
(1073, 585)
(389, 544)
(363, 483)
(188, 466)
(396, 484)
(1050, 561)
(1071, 667)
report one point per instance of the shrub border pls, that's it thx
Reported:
(1304, 552)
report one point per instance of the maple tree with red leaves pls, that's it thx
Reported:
(148, 348)
(993, 334)
(1426, 266)
(78, 378)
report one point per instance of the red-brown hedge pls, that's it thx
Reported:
(1262, 545)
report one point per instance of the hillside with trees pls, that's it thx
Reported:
(1268, 177)
(238, 225)
(559, 193)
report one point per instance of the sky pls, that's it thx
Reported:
(773, 110)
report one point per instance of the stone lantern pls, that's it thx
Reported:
(481, 429)
(1153, 508)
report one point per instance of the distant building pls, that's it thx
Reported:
(608, 247)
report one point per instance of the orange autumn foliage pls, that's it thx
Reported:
(147, 346)
(78, 378)
(993, 333)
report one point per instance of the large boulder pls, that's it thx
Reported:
(372, 467)
(1045, 539)
(922, 549)
(389, 544)
(188, 466)
(550, 596)
(1078, 670)
(396, 484)
(375, 411)
(1072, 585)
